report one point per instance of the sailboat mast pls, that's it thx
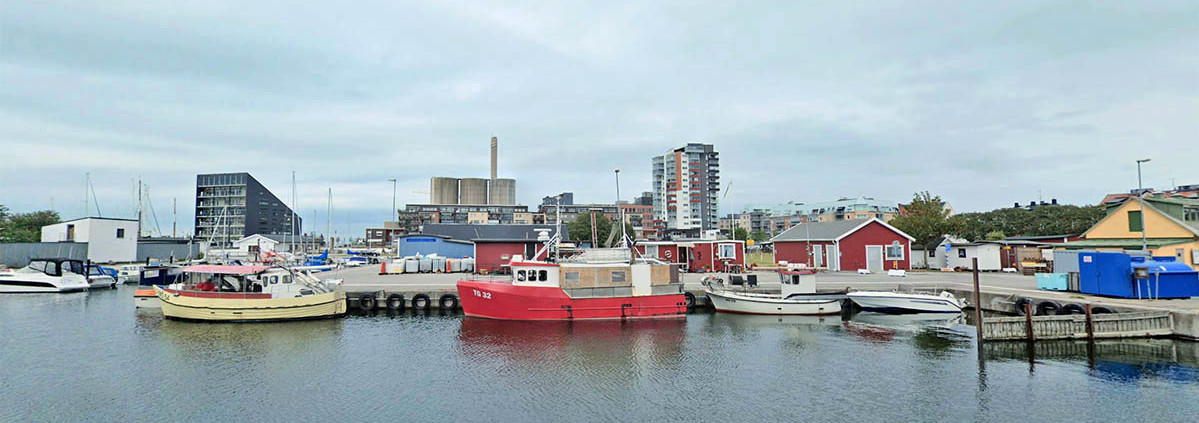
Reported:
(329, 219)
(174, 215)
(87, 177)
(139, 207)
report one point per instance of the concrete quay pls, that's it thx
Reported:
(999, 291)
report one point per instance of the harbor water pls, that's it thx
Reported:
(94, 357)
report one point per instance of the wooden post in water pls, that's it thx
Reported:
(1090, 323)
(978, 309)
(1028, 322)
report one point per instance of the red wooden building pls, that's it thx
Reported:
(845, 245)
(704, 255)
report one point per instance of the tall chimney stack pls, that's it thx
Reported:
(495, 143)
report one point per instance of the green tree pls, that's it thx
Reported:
(927, 219)
(25, 227)
(580, 229)
(995, 235)
(1043, 220)
(759, 236)
(741, 234)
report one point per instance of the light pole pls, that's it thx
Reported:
(394, 212)
(1141, 196)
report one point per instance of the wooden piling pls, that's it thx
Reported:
(978, 308)
(1090, 322)
(1032, 336)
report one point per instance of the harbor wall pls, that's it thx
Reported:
(164, 252)
(17, 255)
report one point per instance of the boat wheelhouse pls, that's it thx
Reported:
(46, 275)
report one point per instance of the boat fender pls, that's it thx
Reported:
(448, 302)
(1072, 308)
(689, 299)
(1020, 305)
(395, 302)
(1048, 308)
(420, 302)
(1102, 310)
(366, 302)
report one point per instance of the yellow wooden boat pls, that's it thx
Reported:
(249, 294)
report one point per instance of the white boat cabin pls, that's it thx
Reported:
(640, 277)
(798, 282)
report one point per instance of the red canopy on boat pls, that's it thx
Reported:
(225, 270)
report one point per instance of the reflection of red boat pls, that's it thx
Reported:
(546, 340)
(577, 289)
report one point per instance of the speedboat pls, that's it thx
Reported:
(906, 302)
(798, 296)
(98, 278)
(46, 275)
(217, 293)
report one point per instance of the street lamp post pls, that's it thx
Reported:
(1141, 196)
(394, 212)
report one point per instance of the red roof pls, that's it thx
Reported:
(225, 270)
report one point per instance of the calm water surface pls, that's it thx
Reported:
(94, 357)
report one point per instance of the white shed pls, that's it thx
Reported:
(962, 256)
(109, 240)
(255, 244)
(939, 257)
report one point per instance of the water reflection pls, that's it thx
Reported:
(593, 342)
(1123, 360)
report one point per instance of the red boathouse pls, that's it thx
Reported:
(845, 245)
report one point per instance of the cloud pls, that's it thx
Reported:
(982, 103)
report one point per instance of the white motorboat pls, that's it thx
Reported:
(46, 276)
(97, 278)
(797, 297)
(905, 302)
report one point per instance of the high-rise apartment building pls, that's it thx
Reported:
(231, 206)
(687, 190)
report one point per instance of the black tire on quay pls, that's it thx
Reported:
(1048, 308)
(689, 299)
(420, 302)
(395, 302)
(1072, 308)
(1020, 305)
(448, 302)
(366, 302)
(1102, 310)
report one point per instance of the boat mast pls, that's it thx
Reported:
(139, 207)
(329, 219)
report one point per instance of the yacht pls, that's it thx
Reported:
(46, 276)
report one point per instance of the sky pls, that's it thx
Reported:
(982, 103)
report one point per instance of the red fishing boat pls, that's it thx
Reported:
(597, 284)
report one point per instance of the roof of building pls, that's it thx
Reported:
(830, 231)
(1039, 237)
(1193, 227)
(1126, 243)
(489, 233)
(98, 218)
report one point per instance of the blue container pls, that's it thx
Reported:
(1108, 274)
(1053, 281)
(1167, 278)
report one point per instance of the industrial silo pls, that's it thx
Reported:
(503, 191)
(443, 190)
(472, 191)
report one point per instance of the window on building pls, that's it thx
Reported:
(932, 252)
(728, 251)
(961, 253)
(1135, 224)
(120, 233)
(895, 251)
(618, 276)
(572, 278)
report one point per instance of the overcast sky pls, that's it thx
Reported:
(983, 103)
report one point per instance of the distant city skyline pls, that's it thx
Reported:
(984, 104)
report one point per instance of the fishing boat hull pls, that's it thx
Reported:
(248, 307)
(893, 302)
(504, 301)
(727, 302)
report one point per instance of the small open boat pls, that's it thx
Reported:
(906, 302)
(249, 294)
(798, 296)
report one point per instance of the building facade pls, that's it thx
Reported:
(231, 206)
(108, 240)
(686, 183)
(463, 213)
(845, 245)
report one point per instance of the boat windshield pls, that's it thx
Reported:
(41, 266)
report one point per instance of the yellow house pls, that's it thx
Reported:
(1170, 228)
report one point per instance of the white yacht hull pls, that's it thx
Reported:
(10, 284)
(894, 302)
(98, 282)
(730, 302)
